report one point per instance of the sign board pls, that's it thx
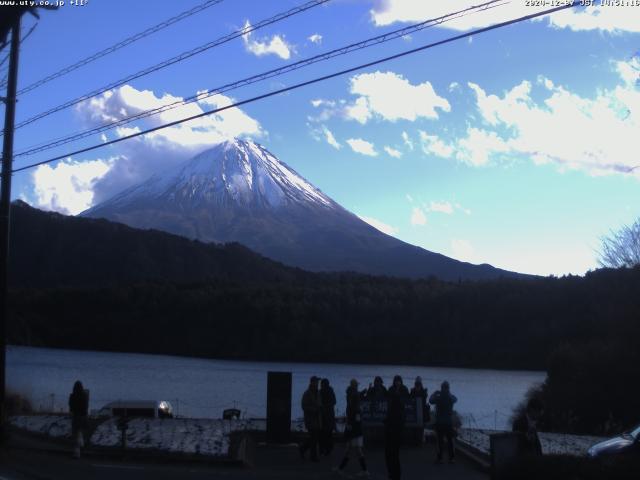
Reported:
(278, 407)
(374, 412)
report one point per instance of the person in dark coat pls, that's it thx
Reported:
(353, 429)
(327, 417)
(397, 396)
(527, 425)
(443, 401)
(418, 391)
(311, 408)
(79, 409)
(377, 391)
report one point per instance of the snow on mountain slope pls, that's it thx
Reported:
(236, 171)
(240, 192)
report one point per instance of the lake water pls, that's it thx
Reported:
(203, 388)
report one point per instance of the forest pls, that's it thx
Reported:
(79, 286)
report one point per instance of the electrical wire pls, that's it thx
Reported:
(178, 58)
(304, 84)
(121, 44)
(261, 77)
(5, 68)
(27, 35)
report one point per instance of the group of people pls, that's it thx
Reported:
(318, 405)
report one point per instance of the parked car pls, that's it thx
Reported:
(626, 443)
(138, 408)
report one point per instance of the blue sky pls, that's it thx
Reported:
(515, 147)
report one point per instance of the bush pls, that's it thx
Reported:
(591, 388)
(17, 404)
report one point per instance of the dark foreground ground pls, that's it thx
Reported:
(271, 462)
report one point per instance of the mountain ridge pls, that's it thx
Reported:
(51, 250)
(238, 191)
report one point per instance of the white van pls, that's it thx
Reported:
(137, 408)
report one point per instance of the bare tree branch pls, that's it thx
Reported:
(621, 248)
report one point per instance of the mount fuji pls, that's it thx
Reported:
(238, 191)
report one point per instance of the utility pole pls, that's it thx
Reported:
(5, 207)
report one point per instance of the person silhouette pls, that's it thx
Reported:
(79, 409)
(444, 401)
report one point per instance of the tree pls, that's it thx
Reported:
(621, 248)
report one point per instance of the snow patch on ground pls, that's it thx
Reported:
(190, 436)
(209, 437)
(552, 443)
(55, 426)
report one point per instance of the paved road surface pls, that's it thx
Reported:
(270, 463)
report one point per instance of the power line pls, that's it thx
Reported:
(28, 33)
(3, 61)
(6, 67)
(176, 59)
(122, 44)
(263, 76)
(303, 84)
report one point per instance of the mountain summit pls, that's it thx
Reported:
(234, 173)
(238, 191)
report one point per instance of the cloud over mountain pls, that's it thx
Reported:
(75, 184)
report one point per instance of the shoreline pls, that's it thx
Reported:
(293, 362)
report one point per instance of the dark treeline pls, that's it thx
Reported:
(53, 250)
(347, 318)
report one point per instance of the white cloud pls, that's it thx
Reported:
(441, 207)
(407, 141)
(329, 109)
(418, 217)
(476, 149)
(478, 146)
(359, 145)
(610, 19)
(68, 186)
(73, 186)
(322, 133)
(392, 97)
(359, 111)
(432, 144)
(391, 11)
(409, 198)
(331, 140)
(597, 134)
(126, 100)
(629, 72)
(276, 45)
(463, 250)
(393, 152)
(454, 86)
(378, 224)
(319, 102)
(315, 38)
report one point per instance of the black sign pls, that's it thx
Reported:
(374, 412)
(278, 407)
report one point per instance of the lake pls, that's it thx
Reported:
(203, 388)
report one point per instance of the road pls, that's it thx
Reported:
(270, 463)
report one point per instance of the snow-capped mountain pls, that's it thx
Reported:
(239, 191)
(234, 173)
